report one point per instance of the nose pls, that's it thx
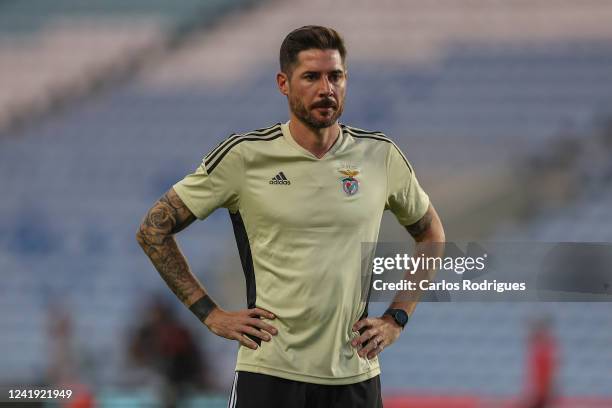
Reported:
(325, 87)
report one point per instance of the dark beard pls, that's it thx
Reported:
(304, 115)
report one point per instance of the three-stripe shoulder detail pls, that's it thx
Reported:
(234, 136)
(365, 134)
(212, 159)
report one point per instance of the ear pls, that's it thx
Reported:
(282, 80)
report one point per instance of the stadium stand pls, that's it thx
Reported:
(54, 53)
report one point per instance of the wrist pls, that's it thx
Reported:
(391, 321)
(203, 308)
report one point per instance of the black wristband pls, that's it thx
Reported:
(202, 307)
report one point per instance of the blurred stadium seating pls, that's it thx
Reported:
(471, 90)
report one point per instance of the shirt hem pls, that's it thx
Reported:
(308, 378)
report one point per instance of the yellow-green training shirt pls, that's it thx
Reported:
(299, 223)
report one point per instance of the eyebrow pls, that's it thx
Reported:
(335, 71)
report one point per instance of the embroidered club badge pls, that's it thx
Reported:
(350, 184)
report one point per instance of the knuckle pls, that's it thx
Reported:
(245, 341)
(259, 312)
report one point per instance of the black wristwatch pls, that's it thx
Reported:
(399, 315)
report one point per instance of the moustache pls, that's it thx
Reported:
(325, 103)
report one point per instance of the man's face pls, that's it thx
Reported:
(316, 88)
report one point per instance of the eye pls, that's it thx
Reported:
(335, 77)
(309, 76)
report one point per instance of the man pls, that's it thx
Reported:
(302, 197)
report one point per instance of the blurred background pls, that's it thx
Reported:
(503, 107)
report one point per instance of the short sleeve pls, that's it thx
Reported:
(214, 184)
(405, 197)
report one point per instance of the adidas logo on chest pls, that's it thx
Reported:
(280, 179)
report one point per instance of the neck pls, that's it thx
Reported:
(316, 141)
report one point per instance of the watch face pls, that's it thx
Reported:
(401, 317)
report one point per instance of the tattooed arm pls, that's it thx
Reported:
(155, 235)
(168, 216)
(380, 332)
(428, 228)
(428, 234)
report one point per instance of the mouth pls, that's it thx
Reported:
(325, 111)
(325, 106)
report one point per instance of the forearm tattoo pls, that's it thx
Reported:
(168, 216)
(419, 228)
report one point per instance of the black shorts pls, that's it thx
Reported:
(251, 390)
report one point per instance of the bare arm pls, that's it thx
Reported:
(426, 232)
(155, 235)
(383, 331)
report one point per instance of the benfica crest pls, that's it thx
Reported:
(350, 184)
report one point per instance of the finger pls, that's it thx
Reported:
(262, 325)
(371, 346)
(367, 335)
(362, 323)
(376, 351)
(245, 341)
(261, 312)
(367, 348)
(254, 332)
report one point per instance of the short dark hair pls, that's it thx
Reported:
(307, 38)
